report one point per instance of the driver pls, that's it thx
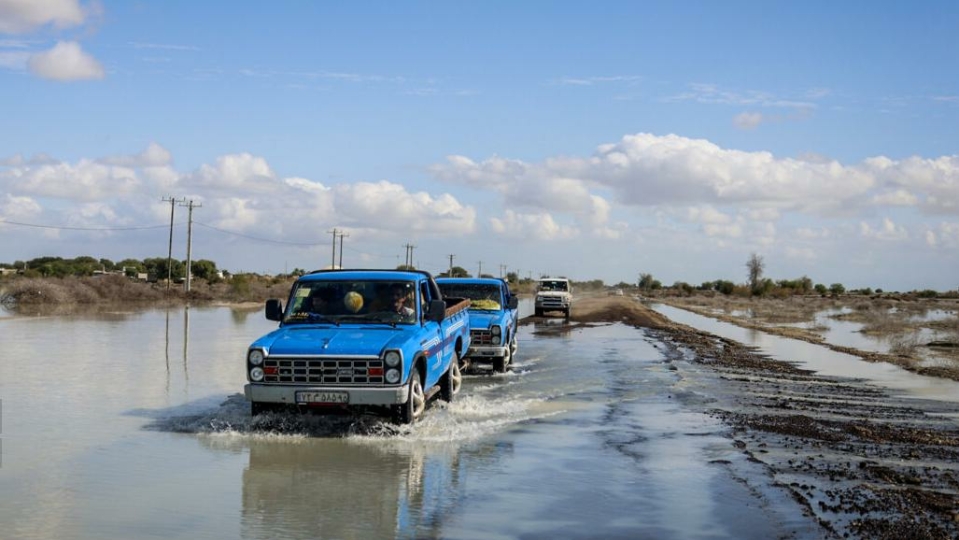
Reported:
(401, 299)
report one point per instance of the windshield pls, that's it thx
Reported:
(337, 302)
(482, 296)
(553, 285)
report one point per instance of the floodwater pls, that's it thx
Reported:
(132, 425)
(822, 360)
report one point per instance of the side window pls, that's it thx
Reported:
(424, 296)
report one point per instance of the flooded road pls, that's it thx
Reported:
(130, 425)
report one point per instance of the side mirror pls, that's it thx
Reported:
(437, 311)
(274, 309)
(513, 302)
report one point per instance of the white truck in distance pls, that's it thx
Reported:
(553, 294)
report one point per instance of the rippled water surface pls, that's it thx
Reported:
(132, 425)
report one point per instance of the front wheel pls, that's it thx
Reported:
(452, 381)
(258, 407)
(409, 412)
(501, 363)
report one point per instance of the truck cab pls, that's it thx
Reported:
(494, 318)
(376, 340)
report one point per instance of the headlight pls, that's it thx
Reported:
(392, 358)
(256, 374)
(496, 340)
(496, 330)
(392, 376)
(255, 357)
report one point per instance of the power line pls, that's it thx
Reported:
(63, 228)
(258, 239)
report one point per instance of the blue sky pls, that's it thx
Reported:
(591, 140)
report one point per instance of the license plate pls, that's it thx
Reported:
(322, 397)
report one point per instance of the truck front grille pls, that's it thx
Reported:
(481, 337)
(550, 301)
(323, 370)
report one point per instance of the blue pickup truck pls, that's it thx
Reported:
(380, 340)
(493, 317)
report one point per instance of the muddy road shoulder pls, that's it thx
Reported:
(860, 461)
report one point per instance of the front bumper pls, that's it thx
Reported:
(549, 303)
(480, 353)
(286, 393)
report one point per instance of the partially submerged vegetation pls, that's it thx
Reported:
(904, 322)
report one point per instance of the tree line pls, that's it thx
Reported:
(155, 269)
(758, 285)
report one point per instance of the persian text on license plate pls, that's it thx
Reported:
(322, 397)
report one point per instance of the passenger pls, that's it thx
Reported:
(319, 301)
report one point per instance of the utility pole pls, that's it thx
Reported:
(480, 273)
(169, 257)
(333, 261)
(409, 255)
(189, 238)
(342, 234)
(502, 267)
(450, 274)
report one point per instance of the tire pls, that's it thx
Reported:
(258, 407)
(452, 380)
(501, 363)
(566, 313)
(412, 410)
(539, 312)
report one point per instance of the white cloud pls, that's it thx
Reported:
(748, 120)
(533, 187)
(389, 207)
(22, 16)
(87, 180)
(763, 214)
(66, 61)
(888, 231)
(154, 156)
(236, 172)
(647, 170)
(18, 208)
(944, 235)
(537, 226)
(932, 183)
(898, 197)
(708, 215)
(806, 233)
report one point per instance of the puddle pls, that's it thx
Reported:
(821, 359)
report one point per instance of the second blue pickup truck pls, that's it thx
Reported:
(493, 316)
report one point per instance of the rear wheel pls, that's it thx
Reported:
(409, 412)
(452, 381)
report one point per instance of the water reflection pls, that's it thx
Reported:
(335, 489)
(350, 487)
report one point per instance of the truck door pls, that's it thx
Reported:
(435, 363)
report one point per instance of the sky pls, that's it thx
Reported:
(594, 140)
